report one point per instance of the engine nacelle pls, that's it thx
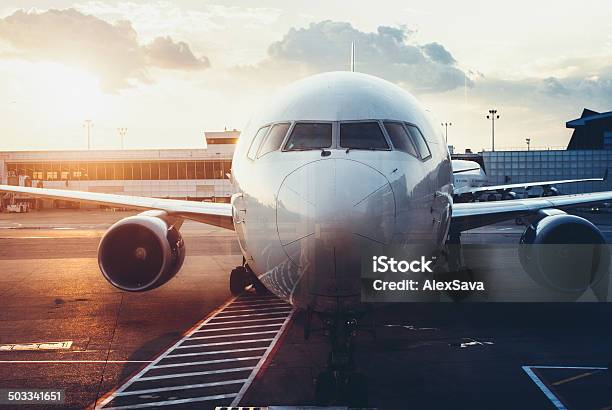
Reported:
(141, 252)
(564, 252)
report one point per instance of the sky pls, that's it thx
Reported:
(170, 70)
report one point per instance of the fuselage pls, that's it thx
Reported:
(337, 163)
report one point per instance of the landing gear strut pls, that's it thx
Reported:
(242, 277)
(339, 383)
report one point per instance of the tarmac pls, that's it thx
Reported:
(423, 355)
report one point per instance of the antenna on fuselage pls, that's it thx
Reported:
(352, 57)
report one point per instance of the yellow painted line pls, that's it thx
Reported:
(36, 346)
(571, 379)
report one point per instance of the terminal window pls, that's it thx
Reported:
(141, 170)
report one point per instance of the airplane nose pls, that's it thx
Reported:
(327, 212)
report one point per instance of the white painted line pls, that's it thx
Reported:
(37, 346)
(259, 303)
(242, 321)
(204, 373)
(255, 314)
(280, 315)
(257, 310)
(172, 402)
(253, 374)
(145, 369)
(239, 327)
(233, 335)
(235, 359)
(243, 298)
(225, 343)
(184, 387)
(568, 367)
(256, 305)
(249, 349)
(75, 361)
(555, 401)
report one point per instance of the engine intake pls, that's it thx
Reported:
(564, 252)
(141, 252)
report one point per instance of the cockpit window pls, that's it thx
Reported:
(274, 139)
(419, 140)
(400, 138)
(309, 135)
(257, 141)
(362, 135)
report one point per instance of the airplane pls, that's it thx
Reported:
(335, 162)
(470, 184)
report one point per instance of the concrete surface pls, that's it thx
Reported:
(51, 290)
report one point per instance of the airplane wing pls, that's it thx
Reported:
(476, 214)
(218, 214)
(524, 185)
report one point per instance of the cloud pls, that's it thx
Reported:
(325, 46)
(110, 51)
(438, 53)
(165, 53)
(594, 88)
(550, 94)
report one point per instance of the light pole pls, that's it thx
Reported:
(493, 116)
(446, 125)
(122, 131)
(528, 141)
(89, 125)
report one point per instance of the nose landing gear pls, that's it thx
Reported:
(242, 277)
(339, 383)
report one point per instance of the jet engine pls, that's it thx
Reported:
(141, 252)
(564, 252)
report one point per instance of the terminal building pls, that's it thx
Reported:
(588, 155)
(192, 174)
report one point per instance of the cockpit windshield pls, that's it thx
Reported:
(309, 136)
(362, 135)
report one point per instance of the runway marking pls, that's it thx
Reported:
(74, 361)
(545, 389)
(188, 386)
(470, 342)
(37, 346)
(178, 375)
(255, 314)
(164, 366)
(225, 343)
(172, 402)
(242, 321)
(249, 349)
(238, 327)
(222, 371)
(233, 334)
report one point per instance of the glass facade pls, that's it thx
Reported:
(509, 167)
(133, 170)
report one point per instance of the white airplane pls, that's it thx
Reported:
(471, 183)
(338, 161)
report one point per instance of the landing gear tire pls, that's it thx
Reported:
(260, 289)
(239, 280)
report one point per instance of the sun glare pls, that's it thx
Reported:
(66, 93)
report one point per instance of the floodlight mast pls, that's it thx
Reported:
(493, 116)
